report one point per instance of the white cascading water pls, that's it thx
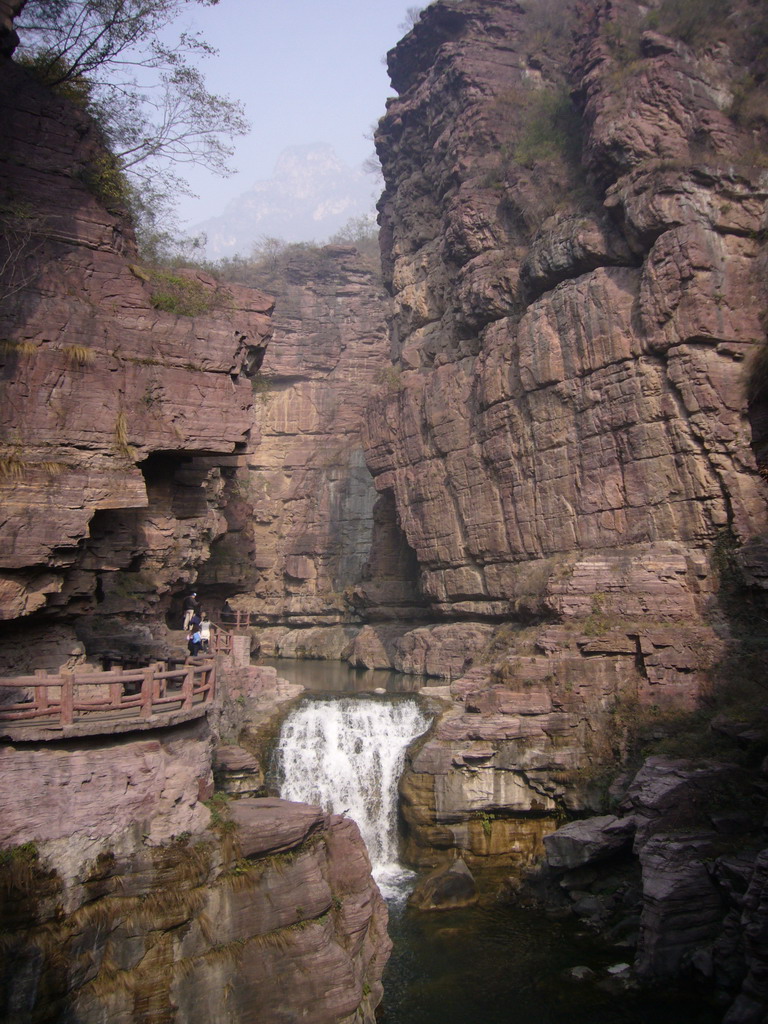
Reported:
(347, 756)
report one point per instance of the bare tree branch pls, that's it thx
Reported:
(149, 99)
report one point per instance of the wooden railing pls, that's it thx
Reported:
(238, 619)
(63, 700)
(221, 640)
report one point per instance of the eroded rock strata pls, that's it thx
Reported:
(131, 892)
(122, 414)
(573, 234)
(569, 449)
(317, 528)
(677, 875)
(571, 415)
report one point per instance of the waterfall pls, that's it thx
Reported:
(347, 755)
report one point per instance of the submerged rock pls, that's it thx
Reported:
(580, 973)
(446, 888)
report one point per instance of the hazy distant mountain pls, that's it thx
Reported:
(311, 194)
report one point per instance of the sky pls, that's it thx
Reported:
(306, 71)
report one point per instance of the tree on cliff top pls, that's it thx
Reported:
(146, 94)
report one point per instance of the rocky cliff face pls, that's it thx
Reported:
(575, 266)
(327, 550)
(126, 413)
(569, 446)
(572, 233)
(126, 402)
(126, 897)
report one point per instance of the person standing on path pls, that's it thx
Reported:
(205, 631)
(189, 606)
(194, 642)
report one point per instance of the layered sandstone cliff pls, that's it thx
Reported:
(573, 234)
(126, 402)
(126, 413)
(576, 272)
(131, 892)
(318, 532)
(569, 447)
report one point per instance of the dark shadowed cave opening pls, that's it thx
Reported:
(390, 578)
(174, 483)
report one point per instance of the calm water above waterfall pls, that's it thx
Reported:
(492, 964)
(338, 677)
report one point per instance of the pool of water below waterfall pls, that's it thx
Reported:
(500, 964)
(492, 964)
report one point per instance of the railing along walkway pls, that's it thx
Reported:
(238, 619)
(221, 640)
(84, 703)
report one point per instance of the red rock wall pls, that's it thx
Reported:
(122, 431)
(292, 925)
(572, 232)
(118, 422)
(90, 795)
(572, 340)
(325, 550)
(127, 891)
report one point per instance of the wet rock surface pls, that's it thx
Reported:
(584, 842)
(445, 888)
(681, 898)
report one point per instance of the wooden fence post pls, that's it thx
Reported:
(67, 698)
(161, 683)
(147, 683)
(115, 695)
(188, 687)
(41, 692)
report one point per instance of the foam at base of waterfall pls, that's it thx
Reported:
(395, 882)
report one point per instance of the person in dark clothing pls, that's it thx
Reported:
(190, 607)
(195, 642)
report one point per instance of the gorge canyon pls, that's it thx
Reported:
(522, 454)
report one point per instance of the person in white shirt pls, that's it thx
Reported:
(205, 630)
